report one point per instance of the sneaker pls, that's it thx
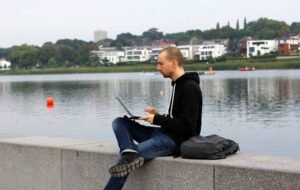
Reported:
(129, 162)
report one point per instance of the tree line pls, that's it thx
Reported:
(71, 53)
(63, 53)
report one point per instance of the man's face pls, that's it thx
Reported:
(164, 66)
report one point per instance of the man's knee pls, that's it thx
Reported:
(117, 122)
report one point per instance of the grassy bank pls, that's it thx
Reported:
(258, 64)
(103, 69)
(225, 65)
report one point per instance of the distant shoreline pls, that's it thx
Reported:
(151, 67)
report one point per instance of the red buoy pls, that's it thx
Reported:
(50, 102)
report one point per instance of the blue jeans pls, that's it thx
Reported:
(151, 143)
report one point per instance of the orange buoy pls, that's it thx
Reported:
(50, 102)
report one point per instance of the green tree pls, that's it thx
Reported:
(83, 56)
(295, 28)
(267, 28)
(227, 32)
(66, 55)
(52, 63)
(194, 33)
(153, 34)
(218, 26)
(24, 56)
(126, 36)
(237, 25)
(93, 61)
(75, 44)
(74, 52)
(245, 23)
(178, 37)
(124, 39)
(47, 51)
(211, 34)
(3, 52)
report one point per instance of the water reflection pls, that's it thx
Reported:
(258, 109)
(263, 99)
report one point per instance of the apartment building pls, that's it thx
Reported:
(288, 45)
(188, 51)
(150, 53)
(261, 47)
(100, 35)
(109, 55)
(207, 51)
(137, 54)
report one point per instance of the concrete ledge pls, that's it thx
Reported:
(68, 164)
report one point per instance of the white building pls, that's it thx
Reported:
(293, 40)
(289, 41)
(109, 55)
(100, 35)
(137, 54)
(261, 47)
(154, 53)
(5, 65)
(188, 51)
(211, 51)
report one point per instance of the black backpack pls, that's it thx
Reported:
(210, 147)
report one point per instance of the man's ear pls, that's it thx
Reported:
(174, 63)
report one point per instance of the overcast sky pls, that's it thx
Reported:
(37, 21)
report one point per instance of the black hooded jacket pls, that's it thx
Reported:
(185, 111)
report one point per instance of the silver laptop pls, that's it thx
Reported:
(131, 116)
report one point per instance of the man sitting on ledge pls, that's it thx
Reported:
(182, 121)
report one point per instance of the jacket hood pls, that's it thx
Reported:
(187, 76)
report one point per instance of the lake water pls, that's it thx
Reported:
(258, 109)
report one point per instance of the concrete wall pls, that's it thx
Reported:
(42, 163)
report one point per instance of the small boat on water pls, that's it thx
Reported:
(247, 68)
(208, 72)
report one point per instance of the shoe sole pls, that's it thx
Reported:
(124, 169)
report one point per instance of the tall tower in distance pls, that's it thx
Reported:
(99, 35)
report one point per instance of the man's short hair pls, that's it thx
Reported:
(173, 53)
